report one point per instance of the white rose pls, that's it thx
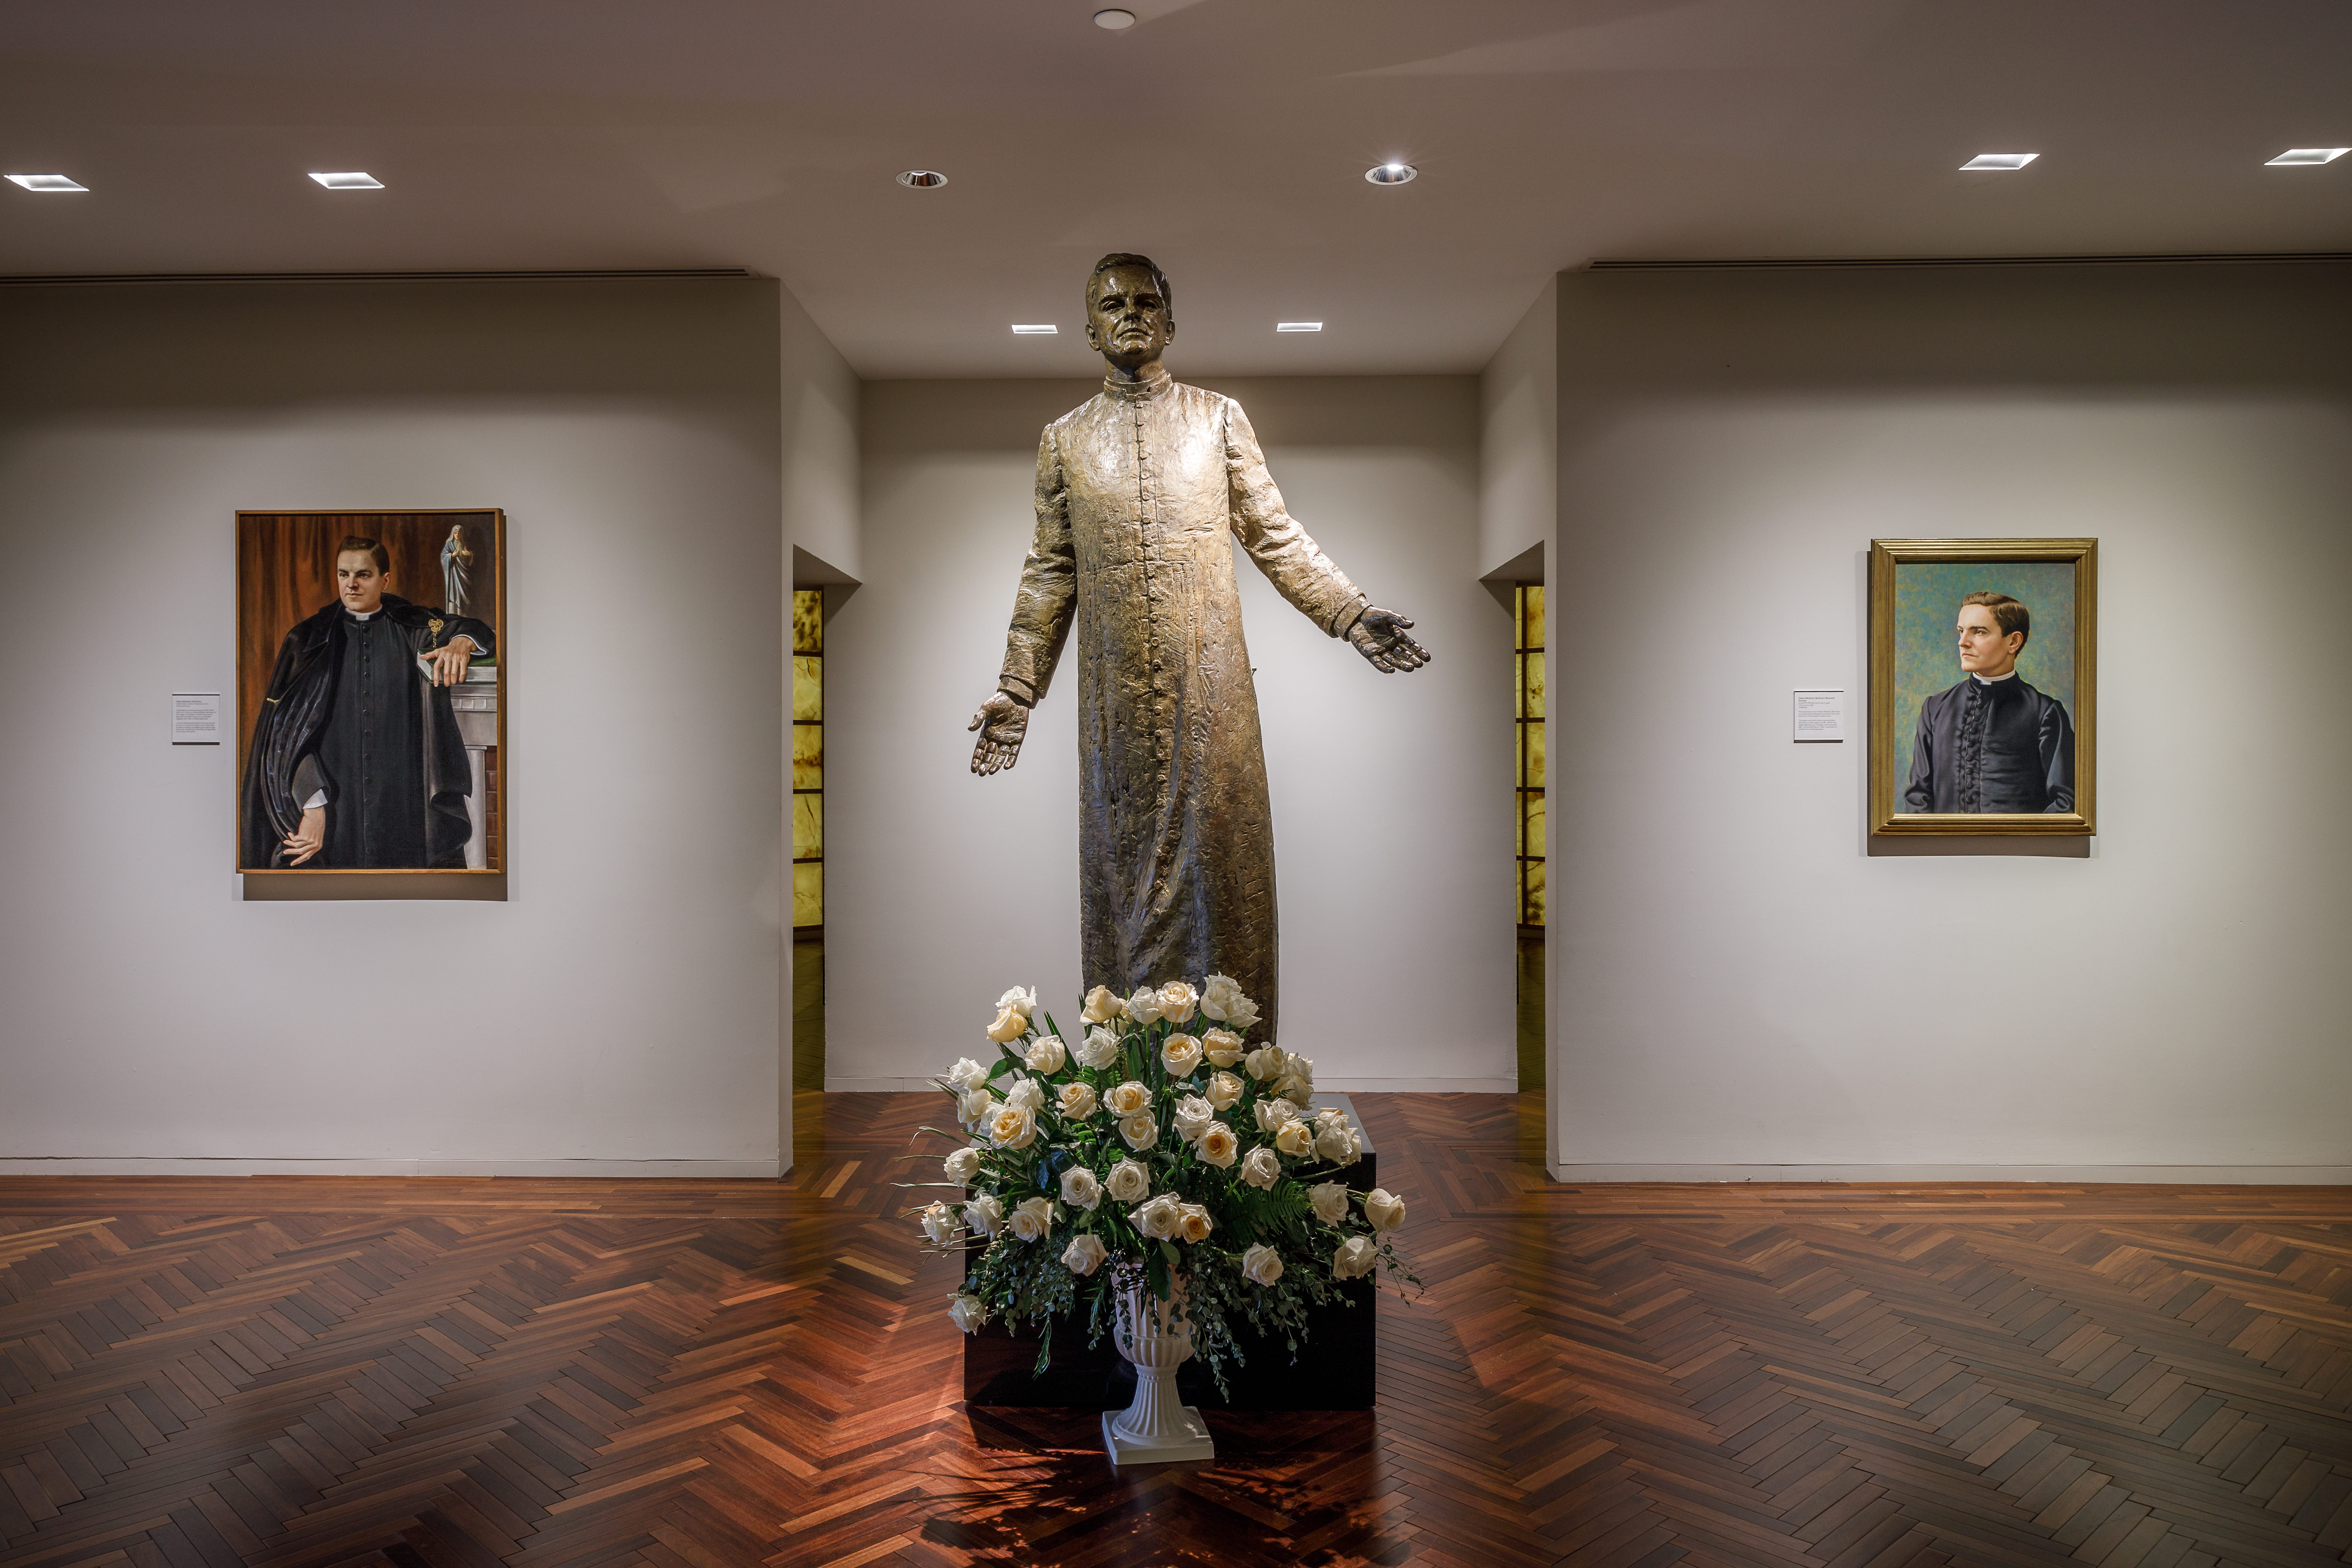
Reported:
(1128, 1099)
(1218, 998)
(1241, 1014)
(1080, 1190)
(967, 1075)
(975, 1107)
(1193, 1113)
(1032, 1219)
(1009, 1027)
(1177, 1002)
(1294, 1139)
(1139, 1132)
(1262, 1169)
(1179, 1053)
(1026, 1093)
(1013, 1127)
(1329, 1115)
(1356, 1256)
(969, 1312)
(964, 1165)
(1263, 1063)
(1223, 1090)
(1337, 1145)
(1330, 1201)
(1127, 1182)
(939, 1223)
(1159, 1218)
(983, 1215)
(1272, 1113)
(1383, 1209)
(1144, 1006)
(1083, 1255)
(1021, 999)
(1218, 1145)
(1101, 1006)
(1046, 1053)
(1099, 1049)
(1221, 1046)
(1261, 1265)
(1076, 1102)
(1192, 1221)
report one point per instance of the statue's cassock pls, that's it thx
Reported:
(1139, 491)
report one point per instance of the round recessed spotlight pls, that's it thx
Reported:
(921, 179)
(1115, 21)
(1391, 173)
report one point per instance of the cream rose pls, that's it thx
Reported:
(964, 1165)
(983, 1215)
(1009, 1027)
(1013, 1127)
(1217, 1144)
(1021, 999)
(1177, 1002)
(1127, 1182)
(1099, 1049)
(1083, 1255)
(1221, 1046)
(966, 1075)
(1218, 998)
(1262, 1169)
(1223, 1090)
(1128, 1099)
(1161, 1218)
(1101, 1006)
(975, 1107)
(1144, 1006)
(1139, 1132)
(1046, 1053)
(1032, 1219)
(1179, 1053)
(1241, 1014)
(1076, 1102)
(1261, 1265)
(1330, 1201)
(1192, 1221)
(1080, 1190)
(967, 1311)
(1272, 1113)
(938, 1222)
(1263, 1063)
(1337, 1144)
(1194, 1114)
(1383, 1209)
(1294, 1139)
(1025, 1093)
(1355, 1256)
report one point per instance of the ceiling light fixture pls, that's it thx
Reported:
(1115, 21)
(922, 179)
(351, 180)
(2291, 157)
(2010, 161)
(1037, 329)
(46, 182)
(1298, 326)
(1391, 173)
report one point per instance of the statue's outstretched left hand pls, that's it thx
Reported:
(1379, 635)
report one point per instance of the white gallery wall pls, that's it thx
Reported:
(617, 1010)
(1392, 794)
(1747, 983)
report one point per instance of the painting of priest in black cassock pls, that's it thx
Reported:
(1992, 744)
(356, 762)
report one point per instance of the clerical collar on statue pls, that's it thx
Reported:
(1154, 381)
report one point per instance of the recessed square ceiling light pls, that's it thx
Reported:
(351, 180)
(1037, 329)
(2292, 155)
(46, 182)
(2001, 160)
(1298, 326)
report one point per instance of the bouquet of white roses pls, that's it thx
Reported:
(1159, 1145)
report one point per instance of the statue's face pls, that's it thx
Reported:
(1127, 320)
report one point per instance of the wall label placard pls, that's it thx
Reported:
(195, 719)
(1817, 716)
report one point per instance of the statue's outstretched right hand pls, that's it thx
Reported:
(1003, 724)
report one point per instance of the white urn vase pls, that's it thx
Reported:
(1158, 1428)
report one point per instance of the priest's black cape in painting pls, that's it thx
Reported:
(1992, 746)
(349, 711)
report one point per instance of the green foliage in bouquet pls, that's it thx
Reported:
(1149, 1153)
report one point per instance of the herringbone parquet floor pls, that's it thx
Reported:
(203, 1373)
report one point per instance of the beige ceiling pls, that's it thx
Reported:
(1227, 138)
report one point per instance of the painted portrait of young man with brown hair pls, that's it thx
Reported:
(1992, 744)
(356, 762)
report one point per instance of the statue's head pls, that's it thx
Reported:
(1130, 316)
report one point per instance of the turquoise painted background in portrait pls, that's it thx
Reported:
(1928, 595)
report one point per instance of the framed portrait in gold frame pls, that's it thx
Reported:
(1983, 685)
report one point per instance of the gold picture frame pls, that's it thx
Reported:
(1914, 581)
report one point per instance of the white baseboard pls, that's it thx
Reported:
(1898, 1176)
(1332, 1085)
(599, 1170)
